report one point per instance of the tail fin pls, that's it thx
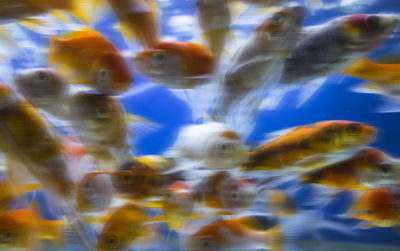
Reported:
(277, 239)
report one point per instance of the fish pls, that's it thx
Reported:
(258, 222)
(117, 234)
(25, 10)
(231, 234)
(335, 45)
(88, 58)
(214, 19)
(10, 192)
(158, 162)
(46, 89)
(32, 146)
(135, 180)
(94, 192)
(281, 203)
(304, 142)
(377, 207)
(369, 168)
(256, 66)
(181, 65)
(213, 143)
(24, 228)
(137, 19)
(224, 192)
(102, 126)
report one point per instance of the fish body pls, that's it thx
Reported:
(378, 207)
(179, 65)
(91, 59)
(214, 143)
(310, 140)
(225, 192)
(215, 20)
(335, 45)
(281, 203)
(123, 227)
(44, 88)
(368, 168)
(101, 123)
(33, 146)
(138, 18)
(259, 61)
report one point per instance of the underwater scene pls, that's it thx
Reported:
(200, 125)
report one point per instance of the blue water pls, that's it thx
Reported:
(333, 101)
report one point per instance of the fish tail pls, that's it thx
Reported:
(276, 239)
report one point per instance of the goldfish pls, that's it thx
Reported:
(91, 59)
(94, 192)
(44, 88)
(378, 207)
(213, 143)
(225, 192)
(368, 168)
(307, 141)
(10, 192)
(179, 65)
(231, 234)
(337, 44)
(257, 65)
(32, 146)
(138, 18)
(101, 124)
(11, 11)
(123, 227)
(136, 181)
(215, 20)
(281, 203)
(24, 228)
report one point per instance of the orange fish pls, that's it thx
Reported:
(32, 146)
(307, 141)
(23, 228)
(368, 168)
(138, 18)
(176, 64)
(91, 59)
(378, 207)
(232, 234)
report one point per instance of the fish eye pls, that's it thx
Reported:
(41, 75)
(102, 112)
(6, 237)
(112, 241)
(372, 22)
(234, 196)
(385, 168)
(369, 211)
(354, 129)
(206, 243)
(87, 184)
(277, 19)
(159, 57)
(127, 178)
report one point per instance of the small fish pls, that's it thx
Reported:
(91, 59)
(225, 192)
(32, 146)
(307, 141)
(368, 168)
(44, 88)
(11, 11)
(136, 180)
(138, 19)
(123, 227)
(102, 126)
(215, 20)
(179, 65)
(24, 228)
(257, 65)
(231, 234)
(378, 207)
(282, 204)
(335, 45)
(214, 143)
(94, 193)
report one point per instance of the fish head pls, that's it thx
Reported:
(208, 237)
(364, 32)
(178, 200)
(383, 174)
(236, 194)
(111, 74)
(41, 86)
(94, 192)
